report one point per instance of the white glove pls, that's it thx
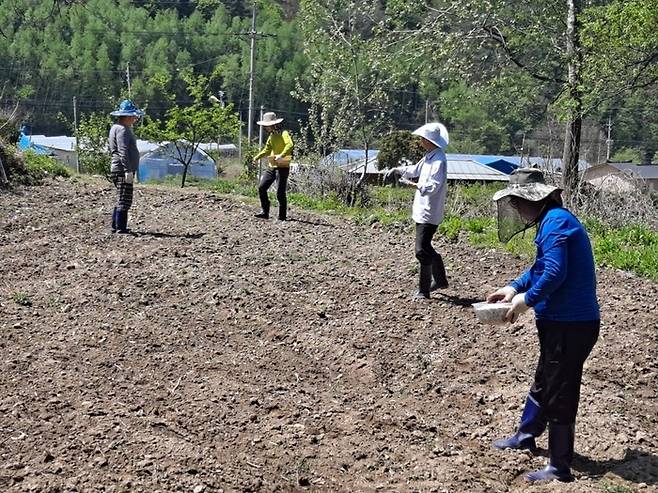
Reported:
(129, 177)
(518, 307)
(503, 294)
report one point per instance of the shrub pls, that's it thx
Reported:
(397, 147)
(42, 166)
(324, 180)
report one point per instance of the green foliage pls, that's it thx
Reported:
(632, 248)
(398, 146)
(21, 298)
(93, 130)
(186, 127)
(626, 154)
(38, 167)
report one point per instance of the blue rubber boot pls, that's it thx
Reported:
(560, 453)
(533, 424)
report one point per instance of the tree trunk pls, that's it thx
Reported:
(571, 154)
(185, 166)
(647, 155)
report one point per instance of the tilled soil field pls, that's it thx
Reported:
(214, 352)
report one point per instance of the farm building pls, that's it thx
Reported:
(622, 177)
(162, 161)
(461, 167)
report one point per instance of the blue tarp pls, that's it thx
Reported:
(25, 143)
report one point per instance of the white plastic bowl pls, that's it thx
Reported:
(491, 313)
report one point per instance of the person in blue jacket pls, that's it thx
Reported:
(561, 287)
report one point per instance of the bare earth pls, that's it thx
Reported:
(213, 352)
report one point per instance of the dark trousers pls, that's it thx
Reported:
(563, 349)
(281, 175)
(125, 198)
(425, 252)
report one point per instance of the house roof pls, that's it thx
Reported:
(458, 169)
(646, 171)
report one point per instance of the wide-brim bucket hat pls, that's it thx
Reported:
(435, 132)
(127, 108)
(269, 119)
(529, 184)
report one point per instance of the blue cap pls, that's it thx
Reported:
(127, 108)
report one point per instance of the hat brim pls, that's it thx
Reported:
(269, 123)
(534, 192)
(137, 113)
(438, 140)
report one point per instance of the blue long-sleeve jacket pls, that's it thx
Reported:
(561, 284)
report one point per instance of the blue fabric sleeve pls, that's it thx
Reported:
(554, 248)
(522, 283)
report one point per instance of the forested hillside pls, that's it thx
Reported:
(497, 75)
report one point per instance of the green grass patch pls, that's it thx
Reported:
(632, 248)
(468, 215)
(21, 298)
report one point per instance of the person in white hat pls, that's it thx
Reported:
(431, 174)
(278, 148)
(125, 161)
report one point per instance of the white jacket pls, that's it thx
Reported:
(432, 174)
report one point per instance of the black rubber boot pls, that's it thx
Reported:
(262, 215)
(560, 453)
(439, 278)
(122, 222)
(283, 212)
(424, 281)
(114, 220)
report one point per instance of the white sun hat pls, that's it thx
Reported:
(435, 132)
(269, 119)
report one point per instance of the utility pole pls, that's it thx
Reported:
(253, 34)
(240, 140)
(608, 140)
(260, 143)
(427, 110)
(252, 55)
(128, 79)
(75, 127)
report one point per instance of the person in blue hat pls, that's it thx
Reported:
(125, 161)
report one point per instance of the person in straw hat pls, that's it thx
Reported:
(125, 161)
(278, 148)
(561, 287)
(431, 174)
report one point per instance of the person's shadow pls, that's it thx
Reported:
(636, 466)
(306, 221)
(157, 234)
(455, 300)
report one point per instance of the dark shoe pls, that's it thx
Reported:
(533, 424)
(560, 453)
(262, 215)
(282, 219)
(439, 278)
(424, 281)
